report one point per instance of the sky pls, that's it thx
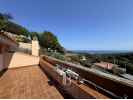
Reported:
(78, 24)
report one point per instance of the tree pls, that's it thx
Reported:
(5, 16)
(16, 29)
(49, 40)
(7, 25)
(2, 24)
(34, 34)
(8, 16)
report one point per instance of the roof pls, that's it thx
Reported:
(105, 65)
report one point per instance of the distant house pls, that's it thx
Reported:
(106, 66)
(83, 58)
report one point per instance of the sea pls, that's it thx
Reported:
(103, 51)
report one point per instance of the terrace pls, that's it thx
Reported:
(27, 82)
(27, 76)
(43, 81)
(32, 82)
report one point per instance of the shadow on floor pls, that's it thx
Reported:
(7, 57)
(52, 82)
(2, 72)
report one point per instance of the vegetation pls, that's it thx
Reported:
(16, 29)
(49, 40)
(124, 60)
(34, 34)
(46, 39)
(4, 19)
(51, 46)
(9, 26)
(5, 16)
(21, 38)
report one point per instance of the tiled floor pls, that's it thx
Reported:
(27, 82)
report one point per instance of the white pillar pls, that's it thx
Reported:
(35, 48)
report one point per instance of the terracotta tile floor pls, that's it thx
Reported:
(27, 82)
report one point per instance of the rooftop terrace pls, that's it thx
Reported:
(43, 81)
(27, 82)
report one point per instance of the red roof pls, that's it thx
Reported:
(106, 65)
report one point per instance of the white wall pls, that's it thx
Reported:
(35, 48)
(25, 45)
(18, 59)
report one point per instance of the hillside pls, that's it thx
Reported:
(124, 60)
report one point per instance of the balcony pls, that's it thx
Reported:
(34, 82)
(44, 82)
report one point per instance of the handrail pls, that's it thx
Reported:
(105, 90)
